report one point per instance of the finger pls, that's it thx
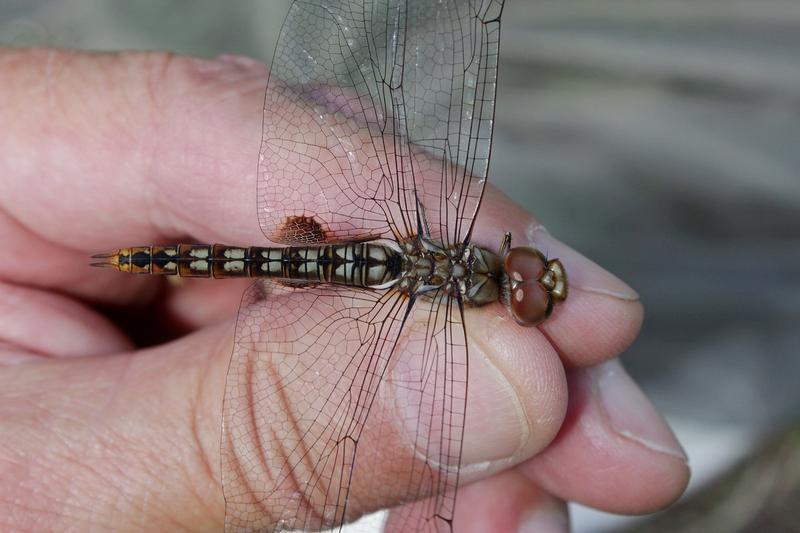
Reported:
(504, 502)
(146, 163)
(160, 162)
(99, 150)
(110, 417)
(410, 442)
(601, 315)
(31, 260)
(181, 306)
(118, 141)
(43, 324)
(115, 425)
(78, 181)
(614, 452)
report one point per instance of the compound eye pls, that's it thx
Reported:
(524, 263)
(530, 303)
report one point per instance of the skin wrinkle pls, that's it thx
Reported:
(238, 465)
(67, 505)
(10, 358)
(112, 445)
(155, 202)
(36, 511)
(305, 503)
(107, 444)
(10, 300)
(154, 199)
(77, 116)
(194, 428)
(548, 419)
(152, 503)
(159, 74)
(226, 436)
(260, 449)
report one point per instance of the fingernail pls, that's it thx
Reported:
(630, 413)
(550, 517)
(582, 273)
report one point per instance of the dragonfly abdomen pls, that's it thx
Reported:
(356, 264)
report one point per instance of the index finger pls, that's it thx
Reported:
(103, 150)
(110, 150)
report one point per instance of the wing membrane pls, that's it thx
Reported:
(334, 408)
(306, 365)
(431, 390)
(378, 121)
(375, 109)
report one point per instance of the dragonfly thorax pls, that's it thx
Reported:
(522, 278)
(469, 272)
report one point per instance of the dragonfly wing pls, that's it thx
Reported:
(447, 108)
(430, 392)
(306, 365)
(341, 401)
(375, 108)
(322, 153)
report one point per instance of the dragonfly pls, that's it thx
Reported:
(377, 129)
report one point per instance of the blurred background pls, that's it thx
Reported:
(659, 137)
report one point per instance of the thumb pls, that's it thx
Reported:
(125, 442)
(326, 418)
(131, 441)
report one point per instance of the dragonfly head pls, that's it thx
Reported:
(533, 284)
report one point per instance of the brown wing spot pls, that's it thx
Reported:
(300, 230)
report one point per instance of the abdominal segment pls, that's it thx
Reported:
(355, 264)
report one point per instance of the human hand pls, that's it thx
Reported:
(103, 150)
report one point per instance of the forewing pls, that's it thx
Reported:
(374, 108)
(448, 101)
(306, 365)
(322, 153)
